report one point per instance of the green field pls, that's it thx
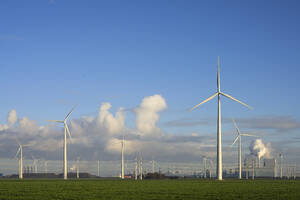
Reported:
(149, 189)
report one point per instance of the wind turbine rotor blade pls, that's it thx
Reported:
(235, 140)
(234, 99)
(206, 100)
(58, 121)
(69, 132)
(236, 127)
(218, 75)
(70, 113)
(249, 135)
(27, 145)
(18, 151)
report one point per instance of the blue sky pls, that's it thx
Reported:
(55, 54)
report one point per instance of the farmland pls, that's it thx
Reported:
(149, 189)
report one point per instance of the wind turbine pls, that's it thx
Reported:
(141, 167)
(239, 137)
(136, 168)
(219, 139)
(66, 129)
(280, 155)
(98, 168)
(77, 167)
(153, 166)
(204, 166)
(122, 159)
(20, 150)
(46, 166)
(35, 164)
(210, 167)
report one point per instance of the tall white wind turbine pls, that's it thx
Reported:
(20, 150)
(219, 139)
(122, 159)
(239, 138)
(66, 130)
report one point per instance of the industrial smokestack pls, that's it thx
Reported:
(259, 149)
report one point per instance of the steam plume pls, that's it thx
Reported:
(259, 149)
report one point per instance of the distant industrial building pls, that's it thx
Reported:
(266, 167)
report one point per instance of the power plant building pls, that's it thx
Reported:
(266, 167)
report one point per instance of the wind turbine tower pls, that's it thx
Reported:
(46, 166)
(204, 167)
(141, 167)
(153, 167)
(253, 170)
(239, 137)
(98, 169)
(136, 168)
(219, 139)
(35, 164)
(20, 150)
(66, 130)
(122, 159)
(77, 167)
(280, 155)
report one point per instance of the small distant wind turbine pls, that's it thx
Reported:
(77, 167)
(66, 130)
(153, 165)
(20, 150)
(46, 166)
(239, 137)
(204, 166)
(219, 140)
(98, 168)
(122, 159)
(210, 167)
(280, 155)
(141, 167)
(136, 168)
(35, 164)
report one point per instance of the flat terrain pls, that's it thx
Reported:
(149, 189)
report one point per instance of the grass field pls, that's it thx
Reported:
(149, 189)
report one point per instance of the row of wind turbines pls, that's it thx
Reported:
(219, 136)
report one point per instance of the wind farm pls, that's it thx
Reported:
(149, 99)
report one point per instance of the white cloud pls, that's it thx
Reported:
(147, 114)
(28, 126)
(12, 117)
(101, 134)
(114, 125)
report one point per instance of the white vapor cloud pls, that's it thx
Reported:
(112, 124)
(258, 148)
(12, 117)
(147, 114)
